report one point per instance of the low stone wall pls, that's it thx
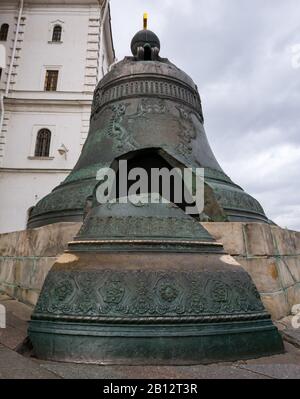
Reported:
(27, 256)
(271, 255)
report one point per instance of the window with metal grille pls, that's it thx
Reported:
(51, 80)
(56, 36)
(42, 145)
(4, 32)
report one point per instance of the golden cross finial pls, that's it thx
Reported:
(145, 20)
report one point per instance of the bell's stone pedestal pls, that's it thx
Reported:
(27, 256)
(271, 256)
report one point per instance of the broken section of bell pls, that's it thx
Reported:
(147, 284)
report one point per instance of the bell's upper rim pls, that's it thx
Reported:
(130, 68)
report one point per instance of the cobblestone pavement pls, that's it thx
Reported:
(15, 365)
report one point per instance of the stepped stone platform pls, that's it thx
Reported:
(271, 256)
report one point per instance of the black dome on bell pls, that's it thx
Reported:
(143, 38)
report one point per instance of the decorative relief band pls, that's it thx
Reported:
(149, 294)
(151, 87)
(142, 227)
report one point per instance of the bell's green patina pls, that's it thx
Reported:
(145, 283)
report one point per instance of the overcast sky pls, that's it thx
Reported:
(244, 58)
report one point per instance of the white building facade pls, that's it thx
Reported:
(56, 52)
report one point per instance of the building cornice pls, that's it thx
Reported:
(34, 170)
(47, 3)
(48, 107)
(71, 100)
(65, 2)
(52, 6)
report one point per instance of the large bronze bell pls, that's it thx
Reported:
(145, 283)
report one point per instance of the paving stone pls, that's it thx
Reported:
(82, 371)
(77, 371)
(291, 355)
(15, 366)
(12, 337)
(278, 371)
(17, 316)
(217, 372)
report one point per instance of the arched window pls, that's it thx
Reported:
(4, 32)
(42, 145)
(56, 36)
